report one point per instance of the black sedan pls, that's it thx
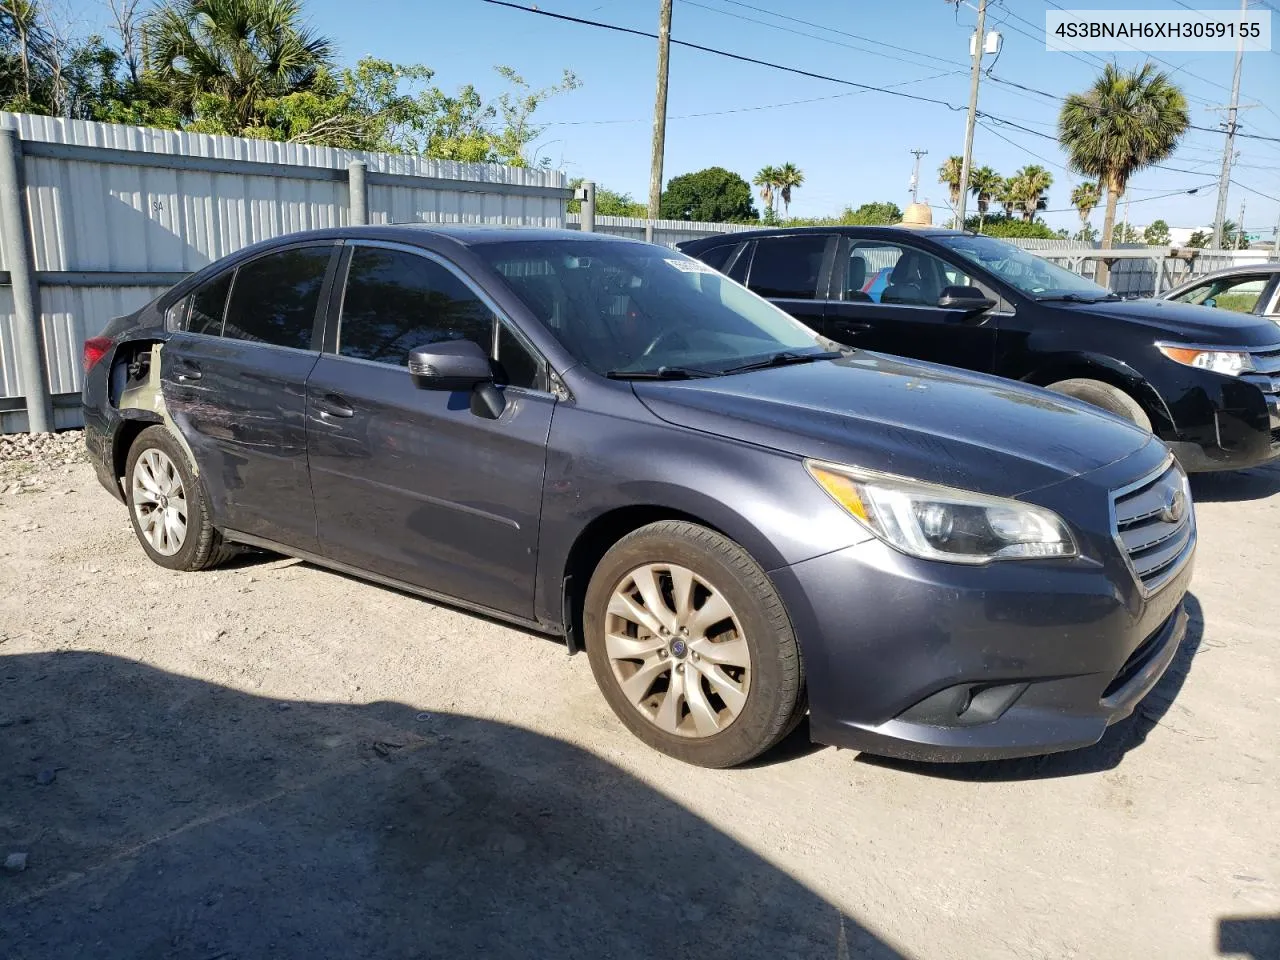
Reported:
(610, 442)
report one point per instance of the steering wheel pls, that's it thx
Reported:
(653, 344)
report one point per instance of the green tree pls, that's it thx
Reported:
(984, 184)
(714, 195)
(224, 58)
(1030, 185)
(766, 179)
(1086, 233)
(790, 177)
(1128, 120)
(1157, 234)
(1124, 233)
(1011, 227)
(1085, 198)
(609, 203)
(949, 174)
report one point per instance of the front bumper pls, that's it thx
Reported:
(939, 662)
(1227, 423)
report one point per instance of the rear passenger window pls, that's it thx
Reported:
(208, 305)
(396, 301)
(716, 256)
(274, 298)
(788, 267)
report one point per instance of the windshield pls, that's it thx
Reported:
(629, 308)
(1030, 274)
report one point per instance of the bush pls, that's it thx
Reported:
(1012, 228)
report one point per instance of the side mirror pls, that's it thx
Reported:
(450, 365)
(968, 299)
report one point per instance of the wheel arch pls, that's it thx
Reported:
(1112, 372)
(593, 541)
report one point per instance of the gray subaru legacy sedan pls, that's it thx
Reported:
(608, 441)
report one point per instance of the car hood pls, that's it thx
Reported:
(905, 417)
(1184, 321)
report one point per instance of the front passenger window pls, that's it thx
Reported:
(892, 273)
(396, 301)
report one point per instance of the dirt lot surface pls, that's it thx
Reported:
(271, 760)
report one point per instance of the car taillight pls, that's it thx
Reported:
(95, 348)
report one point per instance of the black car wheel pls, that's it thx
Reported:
(691, 645)
(167, 505)
(1109, 398)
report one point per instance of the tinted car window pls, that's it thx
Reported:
(207, 306)
(788, 266)
(738, 271)
(716, 256)
(621, 307)
(516, 365)
(175, 318)
(274, 298)
(893, 273)
(396, 301)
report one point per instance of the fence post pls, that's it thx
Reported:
(358, 193)
(28, 336)
(588, 191)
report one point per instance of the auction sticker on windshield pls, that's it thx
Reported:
(690, 266)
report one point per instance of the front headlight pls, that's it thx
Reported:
(942, 523)
(1230, 362)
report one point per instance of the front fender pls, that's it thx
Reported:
(760, 498)
(1054, 367)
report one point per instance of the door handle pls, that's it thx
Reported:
(332, 405)
(186, 370)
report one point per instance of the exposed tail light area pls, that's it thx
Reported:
(95, 348)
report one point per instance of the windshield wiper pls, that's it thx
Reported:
(1077, 298)
(784, 359)
(660, 373)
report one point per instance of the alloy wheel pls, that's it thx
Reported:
(677, 650)
(159, 502)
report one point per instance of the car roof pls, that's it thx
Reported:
(468, 235)
(867, 231)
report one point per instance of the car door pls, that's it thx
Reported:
(791, 270)
(885, 297)
(409, 483)
(234, 374)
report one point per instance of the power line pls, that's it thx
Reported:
(743, 58)
(1265, 196)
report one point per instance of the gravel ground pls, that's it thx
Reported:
(274, 760)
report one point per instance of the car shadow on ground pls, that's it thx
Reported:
(1234, 486)
(1107, 753)
(1254, 937)
(166, 817)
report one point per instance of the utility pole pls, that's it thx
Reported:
(1225, 180)
(1276, 251)
(915, 174)
(1240, 228)
(659, 116)
(975, 75)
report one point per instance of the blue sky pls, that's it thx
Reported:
(852, 146)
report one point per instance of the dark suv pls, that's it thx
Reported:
(608, 441)
(1206, 382)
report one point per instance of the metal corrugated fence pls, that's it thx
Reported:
(136, 207)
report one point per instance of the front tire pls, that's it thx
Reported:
(691, 646)
(167, 505)
(1104, 395)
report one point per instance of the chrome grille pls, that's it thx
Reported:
(1266, 369)
(1155, 536)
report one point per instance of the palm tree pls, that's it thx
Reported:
(1128, 120)
(767, 180)
(1007, 195)
(984, 183)
(789, 177)
(242, 51)
(949, 173)
(1084, 198)
(1033, 181)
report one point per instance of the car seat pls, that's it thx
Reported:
(856, 279)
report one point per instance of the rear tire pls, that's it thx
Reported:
(691, 645)
(167, 505)
(1104, 395)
